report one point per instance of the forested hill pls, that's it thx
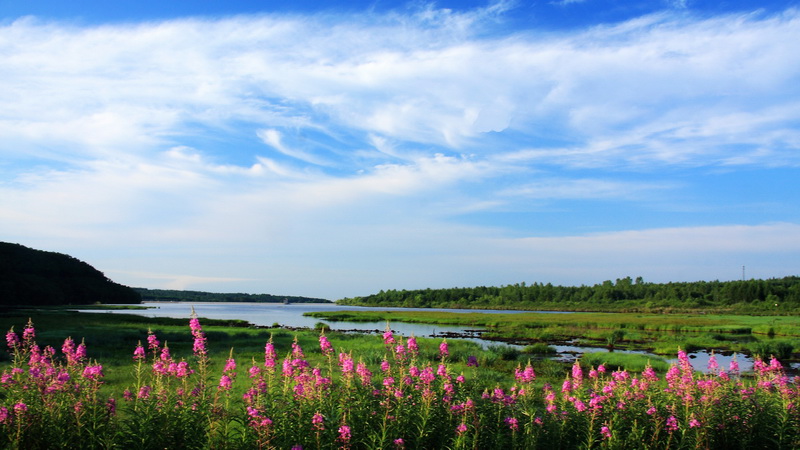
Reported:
(166, 295)
(774, 295)
(36, 277)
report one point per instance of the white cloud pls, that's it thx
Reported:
(148, 140)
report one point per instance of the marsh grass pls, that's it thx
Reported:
(623, 361)
(659, 333)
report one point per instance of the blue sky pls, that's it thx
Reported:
(337, 150)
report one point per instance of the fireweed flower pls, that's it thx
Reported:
(20, 408)
(577, 375)
(672, 424)
(364, 373)
(344, 433)
(225, 383)
(472, 361)
(144, 392)
(733, 367)
(3, 415)
(269, 355)
(93, 372)
(318, 422)
(80, 352)
(462, 427)
(443, 349)
(152, 341)
(29, 333)
(12, 340)
(605, 432)
(325, 345)
(525, 376)
(713, 366)
(513, 423)
(297, 352)
(139, 354)
(388, 337)
(412, 346)
(399, 443)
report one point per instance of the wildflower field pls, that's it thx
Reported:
(410, 397)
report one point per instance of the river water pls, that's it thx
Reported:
(291, 315)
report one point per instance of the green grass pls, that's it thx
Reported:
(628, 361)
(659, 333)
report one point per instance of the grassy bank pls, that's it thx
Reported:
(659, 333)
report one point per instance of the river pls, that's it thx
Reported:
(291, 316)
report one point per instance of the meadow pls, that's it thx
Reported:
(136, 382)
(656, 333)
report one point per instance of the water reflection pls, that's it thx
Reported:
(291, 316)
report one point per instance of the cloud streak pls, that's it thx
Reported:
(381, 131)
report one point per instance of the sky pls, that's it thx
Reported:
(336, 149)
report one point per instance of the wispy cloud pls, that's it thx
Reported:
(366, 139)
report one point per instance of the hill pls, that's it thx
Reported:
(166, 295)
(37, 277)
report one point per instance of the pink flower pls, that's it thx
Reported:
(144, 392)
(269, 355)
(605, 432)
(20, 408)
(93, 372)
(325, 345)
(152, 341)
(443, 349)
(29, 333)
(138, 353)
(230, 365)
(672, 424)
(388, 337)
(297, 352)
(346, 362)
(472, 361)
(3, 415)
(694, 423)
(399, 443)
(577, 374)
(734, 366)
(344, 433)
(225, 383)
(525, 376)
(513, 423)
(80, 352)
(318, 422)
(12, 339)
(461, 428)
(713, 366)
(411, 344)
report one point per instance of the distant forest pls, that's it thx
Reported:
(166, 295)
(777, 295)
(35, 277)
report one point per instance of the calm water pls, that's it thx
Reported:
(291, 315)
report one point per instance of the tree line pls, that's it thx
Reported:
(168, 295)
(780, 294)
